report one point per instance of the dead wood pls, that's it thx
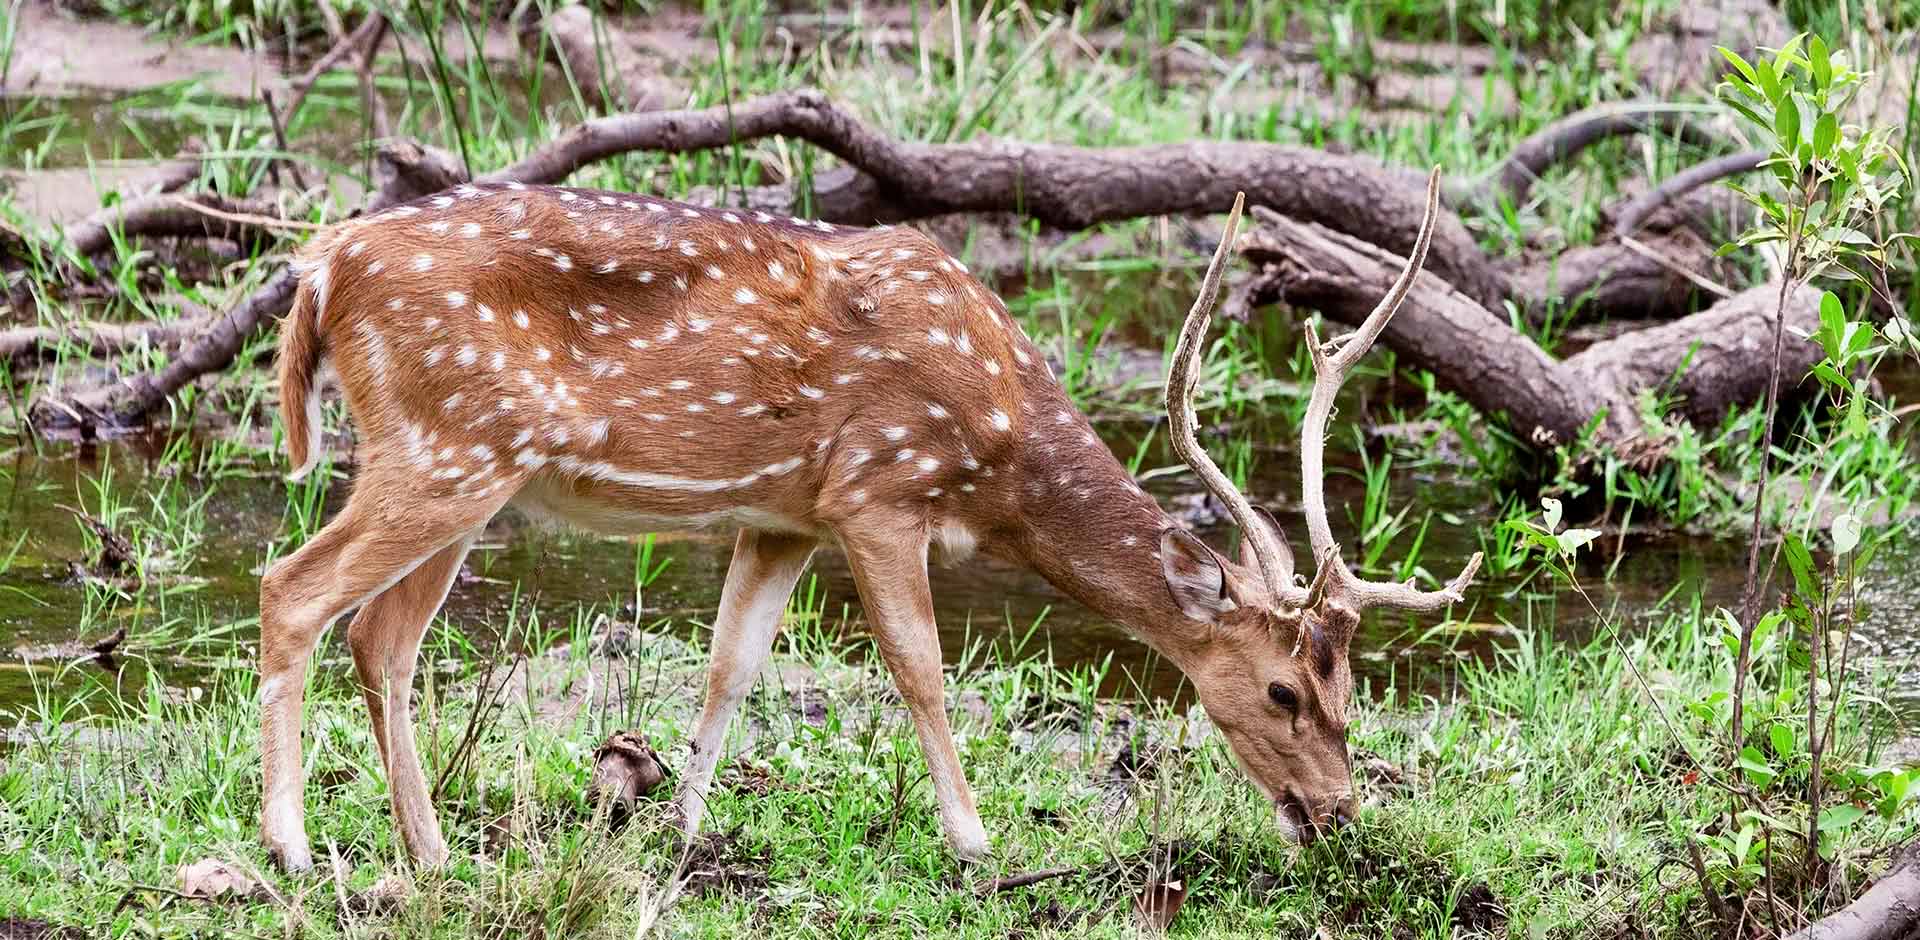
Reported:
(169, 215)
(1890, 910)
(1010, 882)
(1567, 137)
(25, 345)
(1502, 372)
(1066, 187)
(1666, 269)
(1630, 215)
(887, 180)
(370, 95)
(363, 39)
(602, 66)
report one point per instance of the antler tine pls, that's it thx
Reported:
(1330, 368)
(1276, 562)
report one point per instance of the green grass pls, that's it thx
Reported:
(1532, 795)
(1538, 794)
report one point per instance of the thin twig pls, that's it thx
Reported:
(374, 24)
(1011, 882)
(280, 139)
(246, 218)
(1701, 281)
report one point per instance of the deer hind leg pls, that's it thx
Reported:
(385, 639)
(765, 568)
(383, 534)
(889, 561)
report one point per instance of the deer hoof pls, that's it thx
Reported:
(291, 858)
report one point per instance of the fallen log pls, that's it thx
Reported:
(1062, 186)
(1713, 358)
(28, 344)
(1890, 910)
(1568, 136)
(890, 180)
(172, 215)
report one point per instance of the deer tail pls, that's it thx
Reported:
(302, 346)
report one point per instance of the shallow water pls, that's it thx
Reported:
(196, 612)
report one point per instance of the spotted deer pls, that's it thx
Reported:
(627, 364)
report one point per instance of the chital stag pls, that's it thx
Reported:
(628, 364)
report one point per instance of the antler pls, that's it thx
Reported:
(1276, 560)
(1332, 582)
(1331, 363)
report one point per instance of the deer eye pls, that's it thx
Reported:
(1283, 697)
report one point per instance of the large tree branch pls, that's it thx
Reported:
(891, 180)
(1709, 359)
(1567, 137)
(1633, 213)
(1472, 351)
(170, 215)
(1066, 187)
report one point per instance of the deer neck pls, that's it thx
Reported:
(1092, 532)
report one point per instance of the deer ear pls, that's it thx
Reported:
(1196, 577)
(1246, 556)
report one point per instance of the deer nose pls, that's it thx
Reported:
(1344, 811)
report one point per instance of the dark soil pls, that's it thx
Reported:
(719, 864)
(22, 928)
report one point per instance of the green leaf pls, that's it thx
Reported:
(1786, 124)
(1784, 172)
(1800, 561)
(1838, 818)
(1740, 64)
(1781, 737)
(1846, 533)
(1754, 765)
(1833, 324)
(1825, 132)
(1768, 82)
(1819, 63)
(1825, 373)
(1787, 55)
(1763, 630)
(1746, 109)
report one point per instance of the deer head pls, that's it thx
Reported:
(1273, 673)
